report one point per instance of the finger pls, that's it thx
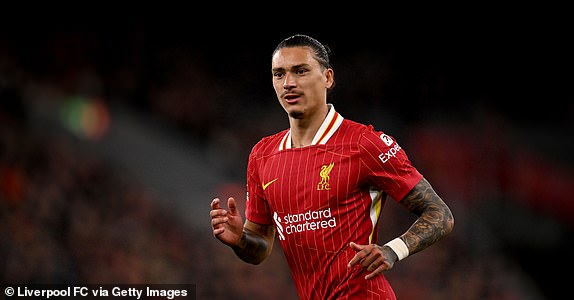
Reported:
(374, 273)
(365, 254)
(372, 256)
(218, 231)
(216, 222)
(384, 266)
(375, 264)
(217, 213)
(215, 203)
(356, 247)
(232, 205)
(359, 256)
(216, 225)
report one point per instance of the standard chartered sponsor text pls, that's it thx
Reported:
(308, 221)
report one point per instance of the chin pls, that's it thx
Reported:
(296, 114)
(295, 110)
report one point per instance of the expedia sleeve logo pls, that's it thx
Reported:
(392, 152)
(387, 139)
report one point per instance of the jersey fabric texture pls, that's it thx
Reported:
(322, 197)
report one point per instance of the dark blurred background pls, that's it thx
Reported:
(116, 133)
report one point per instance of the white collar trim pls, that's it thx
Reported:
(325, 132)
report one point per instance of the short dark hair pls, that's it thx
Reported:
(320, 52)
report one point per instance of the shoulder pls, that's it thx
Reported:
(356, 126)
(369, 138)
(352, 130)
(361, 131)
(268, 144)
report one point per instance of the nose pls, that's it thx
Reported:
(289, 81)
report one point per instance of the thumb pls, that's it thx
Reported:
(232, 205)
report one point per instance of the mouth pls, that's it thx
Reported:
(291, 98)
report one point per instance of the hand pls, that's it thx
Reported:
(372, 257)
(227, 224)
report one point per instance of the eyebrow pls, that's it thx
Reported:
(293, 67)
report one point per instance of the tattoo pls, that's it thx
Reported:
(390, 255)
(435, 220)
(252, 248)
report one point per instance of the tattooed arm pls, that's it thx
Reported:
(256, 242)
(434, 221)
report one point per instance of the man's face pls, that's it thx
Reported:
(299, 81)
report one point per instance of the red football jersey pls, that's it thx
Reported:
(324, 196)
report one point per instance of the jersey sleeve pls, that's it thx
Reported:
(256, 208)
(387, 165)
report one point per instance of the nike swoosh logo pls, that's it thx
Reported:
(265, 185)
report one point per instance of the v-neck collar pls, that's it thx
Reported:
(327, 129)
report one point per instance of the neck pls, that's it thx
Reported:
(303, 130)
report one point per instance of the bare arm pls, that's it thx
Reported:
(251, 242)
(256, 242)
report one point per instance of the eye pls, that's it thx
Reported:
(301, 71)
(277, 75)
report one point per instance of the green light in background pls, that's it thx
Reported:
(86, 117)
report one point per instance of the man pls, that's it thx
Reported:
(320, 186)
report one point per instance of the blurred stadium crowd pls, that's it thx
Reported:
(69, 215)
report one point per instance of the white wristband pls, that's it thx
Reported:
(399, 247)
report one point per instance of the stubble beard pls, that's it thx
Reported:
(297, 114)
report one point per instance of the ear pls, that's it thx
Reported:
(329, 77)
